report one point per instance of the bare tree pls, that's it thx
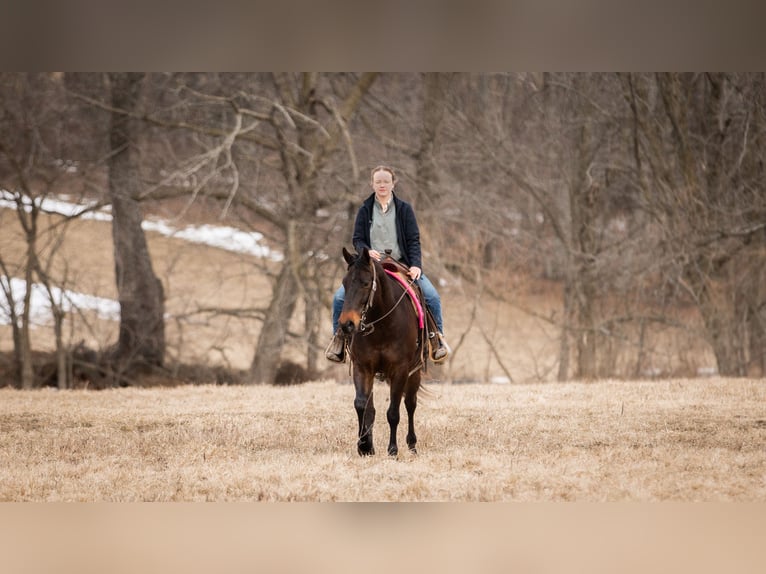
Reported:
(33, 115)
(141, 340)
(307, 125)
(28, 213)
(39, 157)
(263, 146)
(699, 158)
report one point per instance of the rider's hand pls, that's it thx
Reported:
(375, 254)
(415, 273)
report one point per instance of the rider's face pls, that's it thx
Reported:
(383, 185)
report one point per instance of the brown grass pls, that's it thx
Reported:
(679, 440)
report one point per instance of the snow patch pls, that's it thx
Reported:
(221, 237)
(40, 304)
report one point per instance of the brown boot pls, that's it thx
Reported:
(336, 350)
(440, 350)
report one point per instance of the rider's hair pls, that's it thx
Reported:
(383, 168)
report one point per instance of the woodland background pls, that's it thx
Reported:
(618, 219)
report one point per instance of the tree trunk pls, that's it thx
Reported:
(584, 213)
(587, 345)
(313, 318)
(755, 326)
(275, 327)
(5, 284)
(757, 345)
(426, 170)
(141, 340)
(564, 341)
(62, 379)
(27, 372)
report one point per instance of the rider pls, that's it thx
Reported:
(386, 222)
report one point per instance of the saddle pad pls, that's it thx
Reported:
(411, 293)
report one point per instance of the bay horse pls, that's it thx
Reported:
(383, 327)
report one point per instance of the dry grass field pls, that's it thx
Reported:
(676, 440)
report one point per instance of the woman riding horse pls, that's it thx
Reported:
(385, 222)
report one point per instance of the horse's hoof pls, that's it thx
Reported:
(393, 451)
(413, 450)
(365, 452)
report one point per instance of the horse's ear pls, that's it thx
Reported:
(348, 256)
(365, 255)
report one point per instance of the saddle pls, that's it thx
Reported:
(427, 323)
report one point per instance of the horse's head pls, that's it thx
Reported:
(360, 284)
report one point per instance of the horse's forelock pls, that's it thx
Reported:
(364, 263)
(359, 262)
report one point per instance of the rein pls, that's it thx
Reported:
(368, 328)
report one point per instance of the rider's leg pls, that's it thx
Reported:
(441, 350)
(337, 306)
(336, 350)
(433, 301)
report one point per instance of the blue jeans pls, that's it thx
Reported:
(433, 301)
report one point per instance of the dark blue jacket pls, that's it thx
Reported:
(407, 231)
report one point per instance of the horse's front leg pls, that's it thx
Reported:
(365, 411)
(392, 414)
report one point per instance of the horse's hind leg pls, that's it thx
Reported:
(411, 403)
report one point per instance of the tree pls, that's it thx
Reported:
(549, 140)
(699, 159)
(141, 342)
(307, 126)
(34, 118)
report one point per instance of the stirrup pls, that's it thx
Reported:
(336, 350)
(441, 351)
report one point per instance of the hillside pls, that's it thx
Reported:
(213, 295)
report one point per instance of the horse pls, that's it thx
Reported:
(383, 327)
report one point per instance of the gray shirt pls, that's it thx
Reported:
(383, 230)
